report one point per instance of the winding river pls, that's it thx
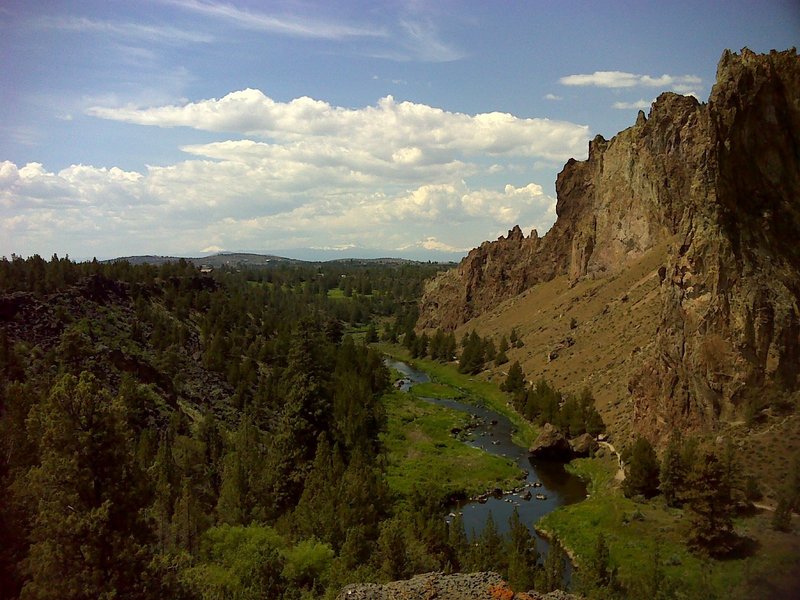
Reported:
(493, 435)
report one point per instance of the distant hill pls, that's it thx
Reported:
(248, 259)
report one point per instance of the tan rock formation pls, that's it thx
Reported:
(718, 186)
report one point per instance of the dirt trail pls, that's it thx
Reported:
(620, 474)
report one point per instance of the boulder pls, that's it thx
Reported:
(551, 444)
(583, 445)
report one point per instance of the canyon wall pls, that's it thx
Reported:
(718, 184)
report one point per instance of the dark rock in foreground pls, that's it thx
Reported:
(459, 586)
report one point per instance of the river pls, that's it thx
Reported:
(493, 435)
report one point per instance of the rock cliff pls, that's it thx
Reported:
(718, 186)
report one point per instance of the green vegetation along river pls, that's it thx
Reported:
(492, 433)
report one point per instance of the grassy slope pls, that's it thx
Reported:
(632, 542)
(615, 316)
(469, 389)
(423, 453)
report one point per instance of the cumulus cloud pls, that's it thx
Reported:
(185, 207)
(639, 104)
(302, 173)
(380, 130)
(622, 79)
(553, 97)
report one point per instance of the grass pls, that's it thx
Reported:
(633, 540)
(423, 454)
(472, 389)
(436, 390)
(336, 293)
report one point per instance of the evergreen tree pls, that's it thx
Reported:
(231, 502)
(87, 536)
(673, 472)
(523, 557)
(782, 517)
(515, 380)
(599, 573)
(708, 499)
(186, 519)
(457, 540)
(503, 347)
(643, 470)
(391, 554)
(449, 352)
(552, 575)
(491, 553)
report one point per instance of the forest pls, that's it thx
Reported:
(167, 433)
(171, 433)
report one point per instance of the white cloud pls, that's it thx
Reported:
(212, 249)
(294, 25)
(621, 79)
(150, 33)
(302, 174)
(553, 97)
(85, 210)
(639, 104)
(379, 130)
(422, 42)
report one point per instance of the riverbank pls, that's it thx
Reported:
(423, 454)
(469, 388)
(637, 532)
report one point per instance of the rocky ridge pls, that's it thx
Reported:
(716, 189)
(437, 586)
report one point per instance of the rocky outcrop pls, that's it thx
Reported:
(489, 274)
(583, 445)
(716, 183)
(551, 444)
(437, 586)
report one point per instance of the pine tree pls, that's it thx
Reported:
(552, 575)
(673, 472)
(457, 540)
(782, 517)
(490, 548)
(600, 572)
(87, 536)
(643, 470)
(523, 557)
(708, 499)
(186, 519)
(231, 502)
(515, 380)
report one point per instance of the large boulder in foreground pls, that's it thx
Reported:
(551, 444)
(459, 586)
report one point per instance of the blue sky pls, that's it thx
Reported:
(326, 129)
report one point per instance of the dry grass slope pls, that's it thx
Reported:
(615, 317)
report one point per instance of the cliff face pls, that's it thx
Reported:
(718, 184)
(729, 321)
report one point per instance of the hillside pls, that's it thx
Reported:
(674, 251)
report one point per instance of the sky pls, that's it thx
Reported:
(328, 129)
